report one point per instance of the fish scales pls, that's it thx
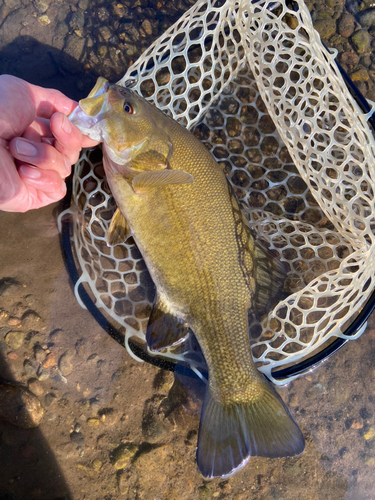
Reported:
(175, 201)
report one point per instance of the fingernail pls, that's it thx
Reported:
(25, 148)
(66, 125)
(30, 172)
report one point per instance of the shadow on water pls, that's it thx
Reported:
(46, 66)
(28, 468)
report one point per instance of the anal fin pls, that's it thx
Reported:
(164, 329)
(119, 230)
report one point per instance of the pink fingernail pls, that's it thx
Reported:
(66, 125)
(30, 172)
(25, 148)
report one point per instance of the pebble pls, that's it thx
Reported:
(123, 454)
(44, 20)
(49, 399)
(146, 25)
(42, 374)
(360, 76)
(19, 406)
(65, 363)
(77, 438)
(14, 340)
(35, 387)
(14, 321)
(370, 434)
(92, 357)
(346, 25)
(357, 424)
(93, 422)
(351, 59)
(39, 353)
(97, 464)
(28, 367)
(109, 416)
(361, 41)
(325, 27)
(366, 18)
(13, 4)
(41, 5)
(12, 355)
(154, 427)
(49, 361)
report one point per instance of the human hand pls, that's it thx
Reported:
(38, 144)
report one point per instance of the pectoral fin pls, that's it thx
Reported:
(118, 231)
(269, 275)
(160, 178)
(164, 329)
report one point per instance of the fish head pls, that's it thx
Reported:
(124, 121)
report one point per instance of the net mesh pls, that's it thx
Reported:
(254, 83)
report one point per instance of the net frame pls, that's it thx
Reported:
(253, 81)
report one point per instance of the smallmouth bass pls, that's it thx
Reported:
(176, 202)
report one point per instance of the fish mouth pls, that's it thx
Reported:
(88, 113)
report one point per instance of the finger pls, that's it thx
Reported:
(47, 181)
(69, 139)
(39, 154)
(48, 101)
(37, 130)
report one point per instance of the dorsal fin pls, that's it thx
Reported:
(269, 274)
(164, 329)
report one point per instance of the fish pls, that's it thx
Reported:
(209, 271)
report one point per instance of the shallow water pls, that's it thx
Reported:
(114, 428)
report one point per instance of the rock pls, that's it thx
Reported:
(349, 58)
(42, 374)
(77, 21)
(346, 25)
(12, 355)
(49, 399)
(28, 367)
(109, 416)
(361, 41)
(147, 26)
(14, 340)
(41, 5)
(35, 387)
(13, 4)
(77, 438)
(366, 18)
(123, 454)
(154, 428)
(39, 353)
(44, 20)
(325, 27)
(93, 422)
(360, 76)
(19, 406)
(163, 381)
(14, 436)
(92, 357)
(97, 464)
(65, 363)
(49, 361)
(370, 434)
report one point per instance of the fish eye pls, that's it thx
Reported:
(128, 108)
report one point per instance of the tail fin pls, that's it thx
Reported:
(229, 435)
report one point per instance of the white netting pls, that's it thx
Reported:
(255, 84)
